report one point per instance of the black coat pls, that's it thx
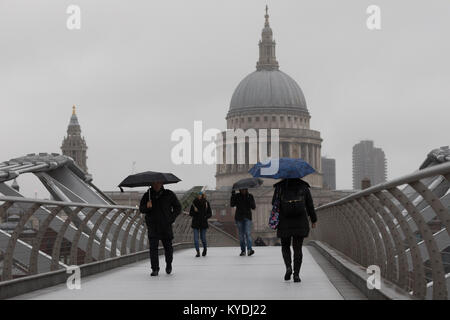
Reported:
(201, 216)
(298, 225)
(160, 217)
(244, 205)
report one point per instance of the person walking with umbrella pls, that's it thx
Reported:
(296, 204)
(161, 207)
(200, 212)
(292, 205)
(244, 203)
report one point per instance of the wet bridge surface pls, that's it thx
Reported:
(221, 275)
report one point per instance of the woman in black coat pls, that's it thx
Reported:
(296, 205)
(200, 212)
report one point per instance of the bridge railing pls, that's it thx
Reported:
(401, 226)
(42, 235)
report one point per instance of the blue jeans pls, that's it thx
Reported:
(245, 236)
(202, 236)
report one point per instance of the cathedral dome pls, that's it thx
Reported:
(268, 89)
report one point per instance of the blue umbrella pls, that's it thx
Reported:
(287, 168)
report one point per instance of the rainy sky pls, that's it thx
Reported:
(138, 70)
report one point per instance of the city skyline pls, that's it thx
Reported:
(127, 79)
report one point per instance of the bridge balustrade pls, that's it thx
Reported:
(401, 226)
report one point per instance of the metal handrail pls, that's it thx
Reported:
(86, 233)
(440, 169)
(62, 203)
(405, 234)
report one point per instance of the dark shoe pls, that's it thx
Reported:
(242, 253)
(204, 252)
(288, 274)
(154, 273)
(198, 254)
(168, 268)
(251, 252)
(297, 278)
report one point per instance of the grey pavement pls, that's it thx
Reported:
(221, 275)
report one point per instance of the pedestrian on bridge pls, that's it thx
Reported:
(200, 212)
(244, 203)
(161, 207)
(296, 204)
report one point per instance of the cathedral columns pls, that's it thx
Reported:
(319, 160)
(307, 153)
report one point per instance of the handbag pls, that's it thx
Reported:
(274, 218)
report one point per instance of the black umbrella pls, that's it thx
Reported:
(247, 183)
(145, 179)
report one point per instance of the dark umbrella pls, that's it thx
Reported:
(145, 179)
(287, 168)
(247, 183)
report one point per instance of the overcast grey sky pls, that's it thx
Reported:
(137, 70)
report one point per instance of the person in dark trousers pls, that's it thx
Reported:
(296, 204)
(244, 203)
(161, 207)
(200, 212)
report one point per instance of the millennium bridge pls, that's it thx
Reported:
(389, 241)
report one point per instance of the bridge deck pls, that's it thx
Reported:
(221, 275)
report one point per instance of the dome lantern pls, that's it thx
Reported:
(267, 58)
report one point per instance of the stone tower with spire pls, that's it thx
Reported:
(74, 145)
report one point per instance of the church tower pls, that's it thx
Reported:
(74, 145)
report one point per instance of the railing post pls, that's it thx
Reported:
(437, 267)
(389, 264)
(4, 208)
(126, 234)
(360, 244)
(439, 209)
(370, 234)
(399, 247)
(38, 240)
(363, 233)
(376, 229)
(101, 255)
(419, 287)
(92, 235)
(8, 257)
(117, 231)
(135, 233)
(143, 237)
(76, 237)
(59, 238)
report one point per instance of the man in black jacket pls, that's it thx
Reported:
(244, 203)
(161, 207)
